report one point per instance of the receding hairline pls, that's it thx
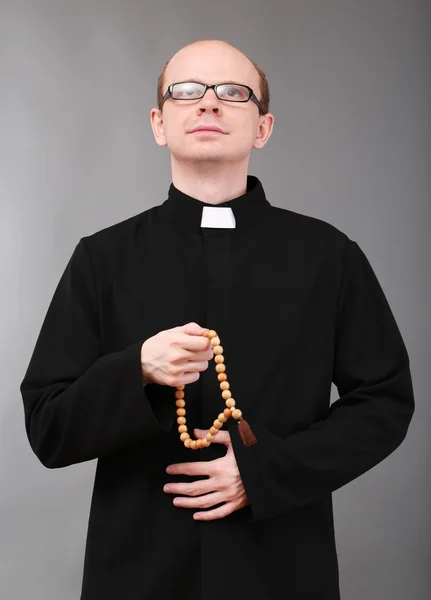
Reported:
(206, 42)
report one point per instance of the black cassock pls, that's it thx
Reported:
(297, 306)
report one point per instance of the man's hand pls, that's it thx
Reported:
(224, 483)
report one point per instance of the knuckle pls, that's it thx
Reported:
(171, 380)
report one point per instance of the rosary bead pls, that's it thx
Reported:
(229, 411)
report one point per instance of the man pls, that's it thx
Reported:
(296, 306)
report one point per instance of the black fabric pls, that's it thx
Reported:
(297, 306)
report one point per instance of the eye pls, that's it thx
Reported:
(187, 90)
(233, 92)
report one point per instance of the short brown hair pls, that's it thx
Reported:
(264, 87)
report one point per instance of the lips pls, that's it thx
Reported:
(213, 128)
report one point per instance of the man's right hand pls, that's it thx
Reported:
(176, 356)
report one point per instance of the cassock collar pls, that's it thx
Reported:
(185, 212)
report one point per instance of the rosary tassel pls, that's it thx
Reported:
(247, 436)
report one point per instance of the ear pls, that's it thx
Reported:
(156, 120)
(266, 124)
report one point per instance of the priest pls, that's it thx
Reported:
(191, 350)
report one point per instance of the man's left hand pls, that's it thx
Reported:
(224, 483)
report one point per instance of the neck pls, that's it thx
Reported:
(211, 183)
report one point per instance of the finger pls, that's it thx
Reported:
(194, 342)
(217, 513)
(189, 468)
(195, 488)
(222, 437)
(201, 502)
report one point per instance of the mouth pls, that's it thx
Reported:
(208, 132)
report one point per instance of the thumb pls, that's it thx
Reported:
(223, 437)
(193, 328)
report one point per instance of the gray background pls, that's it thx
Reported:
(351, 145)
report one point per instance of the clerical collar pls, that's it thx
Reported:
(187, 213)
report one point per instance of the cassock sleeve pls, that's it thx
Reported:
(80, 404)
(364, 425)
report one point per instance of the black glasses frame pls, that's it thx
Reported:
(251, 94)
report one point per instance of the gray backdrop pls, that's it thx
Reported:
(351, 145)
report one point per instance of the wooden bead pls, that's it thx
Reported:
(229, 411)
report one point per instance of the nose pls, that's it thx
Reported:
(209, 101)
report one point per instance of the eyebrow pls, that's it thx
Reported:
(197, 80)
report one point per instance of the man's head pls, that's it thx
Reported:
(245, 126)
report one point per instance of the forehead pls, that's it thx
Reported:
(211, 63)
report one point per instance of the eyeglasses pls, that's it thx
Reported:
(193, 90)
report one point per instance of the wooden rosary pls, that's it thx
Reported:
(245, 432)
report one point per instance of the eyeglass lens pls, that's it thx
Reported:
(227, 91)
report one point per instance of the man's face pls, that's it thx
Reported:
(241, 122)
